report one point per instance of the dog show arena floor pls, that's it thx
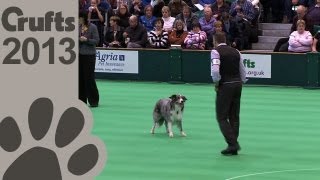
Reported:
(279, 134)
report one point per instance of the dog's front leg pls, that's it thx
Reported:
(152, 129)
(170, 129)
(179, 124)
(166, 125)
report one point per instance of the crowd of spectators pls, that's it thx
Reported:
(192, 23)
(305, 28)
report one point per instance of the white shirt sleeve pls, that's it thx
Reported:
(242, 70)
(215, 66)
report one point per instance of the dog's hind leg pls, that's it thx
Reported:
(157, 122)
(179, 124)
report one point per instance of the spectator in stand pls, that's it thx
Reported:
(206, 23)
(218, 26)
(135, 35)
(196, 39)
(232, 32)
(123, 14)
(158, 38)
(191, 4)
(266, 4)
(148, 19)
(300, 14)
(243, 9)
(137, 8)
(206, 2)
(113, 4)
(146, 2)
(243, 25)
(176, 7)
(157, 7)
(283, 43)
(83, 5)
(178, 34)
(96, 15)
(126, 2)
(256, 10)
(187, 16)
(114, 34)
(300, 40)
(313, 16)
(316, 43)
(291, 7)
(167, 19)
(219, 7)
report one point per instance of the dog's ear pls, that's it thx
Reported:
(174, 96)
(184, 98)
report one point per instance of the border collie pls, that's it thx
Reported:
(169, 111)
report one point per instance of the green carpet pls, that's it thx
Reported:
(279, 131)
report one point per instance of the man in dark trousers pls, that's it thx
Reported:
(228, 74)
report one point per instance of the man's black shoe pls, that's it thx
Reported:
(231, 150)
(94, 105)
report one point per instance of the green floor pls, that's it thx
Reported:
(279, 134)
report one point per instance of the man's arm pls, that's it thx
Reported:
(242, 70)
(215, 66)
(144, 37)
(314, 45)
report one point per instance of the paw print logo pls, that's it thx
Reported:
(50, 150)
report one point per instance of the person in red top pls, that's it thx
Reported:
(178, 35)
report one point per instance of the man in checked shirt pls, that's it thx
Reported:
(228, 74)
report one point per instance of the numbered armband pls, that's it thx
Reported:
(216, 62)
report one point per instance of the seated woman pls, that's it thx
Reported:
(196, 39)
(167, 19)
(114, 34)
(148, 19)
(300, 40)
(178, 34)
(316, 42)
(123, 13)
(187, 17)
(158, 38)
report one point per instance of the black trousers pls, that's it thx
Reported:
(88, 91)
(278, 8)
(282, 45)
(228, 110)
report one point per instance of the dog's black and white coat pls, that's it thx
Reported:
(169, 111)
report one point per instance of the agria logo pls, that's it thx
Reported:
(102, 56)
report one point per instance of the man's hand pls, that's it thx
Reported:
(216, 87)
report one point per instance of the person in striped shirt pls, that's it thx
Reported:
(158, 38)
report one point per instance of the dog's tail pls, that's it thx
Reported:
(156, 114)
(160, 122)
